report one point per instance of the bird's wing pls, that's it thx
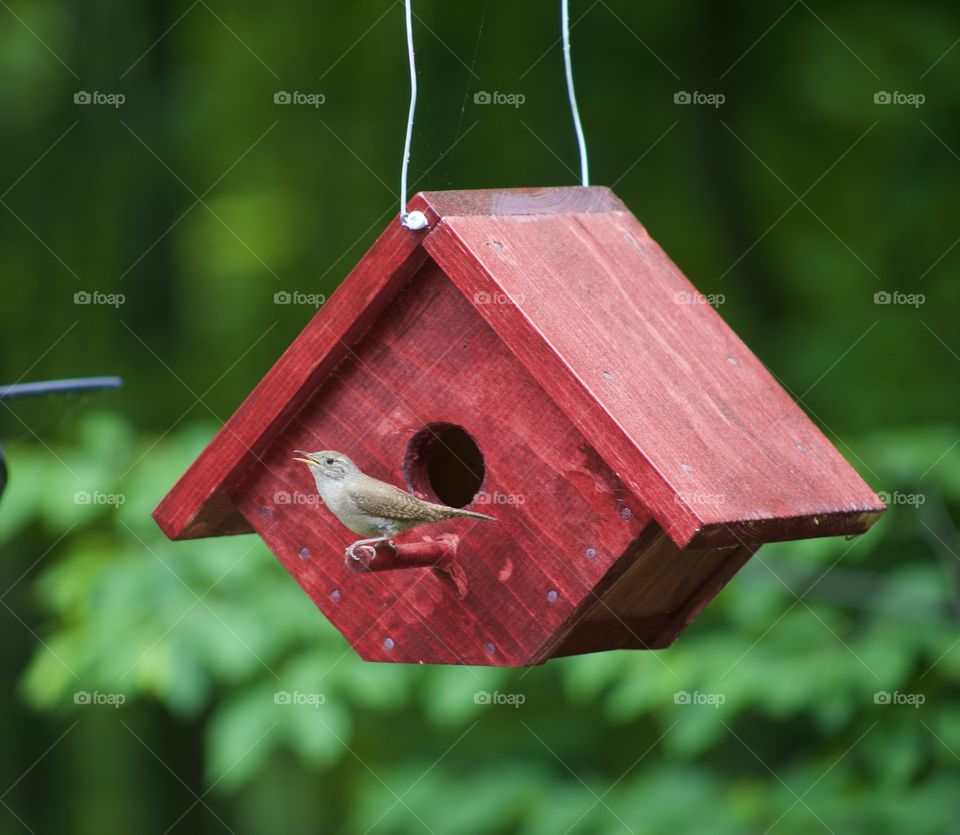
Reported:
(389, 502)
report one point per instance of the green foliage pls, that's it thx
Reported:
(203, 640)
(795, 649)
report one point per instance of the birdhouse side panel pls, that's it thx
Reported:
(658, 595)
(432, 368)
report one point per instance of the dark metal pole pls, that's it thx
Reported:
(80, 384)
(47, 388)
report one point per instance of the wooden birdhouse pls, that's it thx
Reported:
(534, 355)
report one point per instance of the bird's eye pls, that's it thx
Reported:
(330, 461)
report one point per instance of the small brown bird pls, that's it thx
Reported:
(368, 506)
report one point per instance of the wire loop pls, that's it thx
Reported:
(416, 220)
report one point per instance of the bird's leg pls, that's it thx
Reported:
(366, 543)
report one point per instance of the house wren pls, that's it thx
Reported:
(368, 506)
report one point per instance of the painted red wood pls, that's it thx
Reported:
(667, 393)
(427, 553)
(438, 554)
(659, 592)
(629, 418)
(563, 518)
(518, 202)
(671, 398)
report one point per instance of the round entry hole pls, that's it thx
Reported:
(444, 464)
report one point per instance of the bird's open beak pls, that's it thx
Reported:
(309, 458)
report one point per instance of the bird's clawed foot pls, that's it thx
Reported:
(354, 552)
(365, 550)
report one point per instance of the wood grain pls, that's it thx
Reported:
(519, 202)
(563, 518)
(641, 452)
(701, 433)
(656, 593)
(670, 397)
(428, 553)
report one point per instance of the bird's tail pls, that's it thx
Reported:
(471, 515)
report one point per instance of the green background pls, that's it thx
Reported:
(798, 199)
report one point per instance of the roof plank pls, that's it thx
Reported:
(669, 395)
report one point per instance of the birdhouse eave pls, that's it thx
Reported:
(672, 400)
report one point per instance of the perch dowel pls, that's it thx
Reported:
(429, 553)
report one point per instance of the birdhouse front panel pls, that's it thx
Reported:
(431, 399)
(531, 354)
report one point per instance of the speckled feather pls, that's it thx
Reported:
(389, 502)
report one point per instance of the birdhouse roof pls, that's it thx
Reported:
(688, 418)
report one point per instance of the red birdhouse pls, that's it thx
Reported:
(534, 355)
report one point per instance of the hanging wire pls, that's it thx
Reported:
(574, 110)
(412, 220)
(418, 220)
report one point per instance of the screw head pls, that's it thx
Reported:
(415, 221)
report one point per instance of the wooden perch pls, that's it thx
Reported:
(438, 554)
